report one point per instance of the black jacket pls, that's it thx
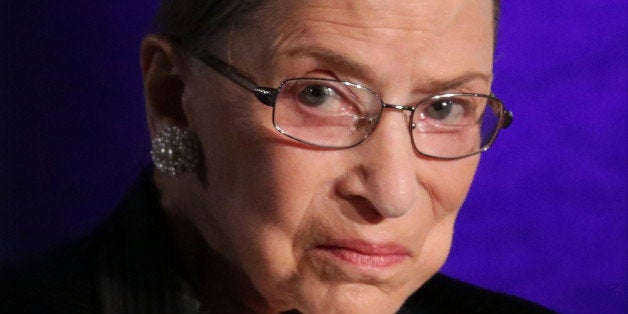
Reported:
(129, 266)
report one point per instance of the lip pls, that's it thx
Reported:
(365, 254)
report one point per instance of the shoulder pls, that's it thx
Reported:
(60, 281)
(68, 279)
(442, 294)
(128, 264)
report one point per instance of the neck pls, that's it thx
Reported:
(220, 286)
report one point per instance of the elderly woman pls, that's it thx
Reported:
(310, 156)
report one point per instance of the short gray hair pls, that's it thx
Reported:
(191, 22)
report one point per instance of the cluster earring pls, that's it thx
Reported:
(175, 151)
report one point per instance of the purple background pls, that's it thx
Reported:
(545, 219)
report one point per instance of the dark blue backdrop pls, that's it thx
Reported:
(545, 219)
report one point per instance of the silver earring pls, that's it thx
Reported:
(175, 151)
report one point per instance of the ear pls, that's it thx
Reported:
(163, 72)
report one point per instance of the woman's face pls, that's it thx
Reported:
(351, 230)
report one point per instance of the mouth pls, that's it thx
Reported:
(366, 255)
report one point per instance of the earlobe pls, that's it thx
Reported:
(162, 72)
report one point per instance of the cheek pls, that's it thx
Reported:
(274, 214)
(256, 186)
(237, 202)
(260, 186)
(436, 247)
(448, 183)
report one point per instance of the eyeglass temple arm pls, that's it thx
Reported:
(266, 95)
(506, 113)
(507, 118)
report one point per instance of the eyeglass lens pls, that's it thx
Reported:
(336, 114)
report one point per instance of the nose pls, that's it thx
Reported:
(386, 160)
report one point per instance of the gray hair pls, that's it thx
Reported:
(191, 22)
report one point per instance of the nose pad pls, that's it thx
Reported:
(408, 112)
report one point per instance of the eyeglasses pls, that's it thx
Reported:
(335, 114)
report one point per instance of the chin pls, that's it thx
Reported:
(310, 291)
(350, 298)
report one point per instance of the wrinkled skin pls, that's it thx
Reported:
(271, 207)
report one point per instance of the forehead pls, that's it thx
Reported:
(386, 20)
(388, 17)
(424, 36)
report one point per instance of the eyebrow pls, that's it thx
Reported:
(333, 58)
(360, 69)
(444, 85)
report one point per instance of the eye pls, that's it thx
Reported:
(316, 95)
(447, 111)
(328, 97)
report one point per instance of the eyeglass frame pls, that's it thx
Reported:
(268, 96)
